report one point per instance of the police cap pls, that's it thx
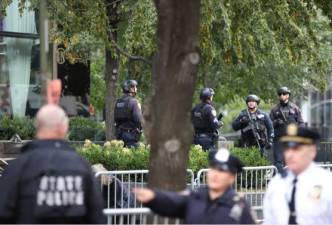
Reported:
(293, 136)
(253, 98)
(128, 84)
(224, 161)
(206, 93)
(283, 90)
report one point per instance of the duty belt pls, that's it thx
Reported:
(128, 130)
(204, 135)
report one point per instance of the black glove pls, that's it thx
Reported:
(269, 144)
(244, 120)
(220, 116)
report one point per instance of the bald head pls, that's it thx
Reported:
(51, 122)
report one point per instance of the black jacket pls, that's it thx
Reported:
(197, 208)
(281, 119)
(264, 123)
(49, 183)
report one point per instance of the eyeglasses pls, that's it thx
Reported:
(282, 93)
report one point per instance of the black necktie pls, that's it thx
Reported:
(292, 215)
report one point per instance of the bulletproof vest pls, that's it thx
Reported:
(289, 113)
(122, 111)
(258, 120)
(198, 118)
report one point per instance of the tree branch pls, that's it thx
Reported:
(129, 56)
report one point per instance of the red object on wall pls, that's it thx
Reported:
(54, 91)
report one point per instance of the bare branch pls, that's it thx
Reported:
(129, 56)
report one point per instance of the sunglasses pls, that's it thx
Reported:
(282, 94)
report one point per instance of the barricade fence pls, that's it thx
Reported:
(137, 216)
(123, 208)
(116, 186)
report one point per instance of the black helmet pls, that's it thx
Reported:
(206, 93)
(128, 84)
(253, 98)
(283, 90)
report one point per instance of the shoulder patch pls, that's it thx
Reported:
(214, 112)
(185, 192)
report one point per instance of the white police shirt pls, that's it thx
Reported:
(313, 198)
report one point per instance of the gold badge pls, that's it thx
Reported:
(315, 193)
(292, 130)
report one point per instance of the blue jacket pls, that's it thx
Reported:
(197, 208)
(49, 183)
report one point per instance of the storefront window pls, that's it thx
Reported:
(19, 64)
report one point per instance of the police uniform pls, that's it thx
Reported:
(128, 120)
(205, 121)
(281, 115)
(49, 183)
(302, 199)
(244, 123)
(198, 208)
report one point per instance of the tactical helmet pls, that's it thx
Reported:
(283, 90)
(253, 98)
(206, 93)
(128, 84)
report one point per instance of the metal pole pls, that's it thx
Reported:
(44, 47)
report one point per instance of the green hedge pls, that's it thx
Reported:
(115, 157)
(22, 126)
(80, 128)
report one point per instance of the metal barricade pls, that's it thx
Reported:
(136, 216)
(116, 187)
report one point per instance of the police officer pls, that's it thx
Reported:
(128, 115)
(215, 204)
(49, 182)
(205, 121)
(255, 125)
(302, 193)
(281, 115)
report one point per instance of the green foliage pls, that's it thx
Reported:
(250, 156)
(81, 128)
(97, 87)
(254, 46)
(115, 157)
(22, 126)
(246, 46)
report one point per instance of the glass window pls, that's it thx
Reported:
(19, 64)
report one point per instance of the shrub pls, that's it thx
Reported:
(81, 128)
(22, 126)
(115, 157)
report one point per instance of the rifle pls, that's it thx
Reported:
(255, 129)
(283, 116)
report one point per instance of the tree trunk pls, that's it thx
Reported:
(175, 70)
(111, 77)
(111, 69)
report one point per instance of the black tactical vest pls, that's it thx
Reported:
(198, 118)
(122, 111)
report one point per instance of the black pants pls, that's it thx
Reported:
(278, 156)
(206, 141)
(130, 139)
